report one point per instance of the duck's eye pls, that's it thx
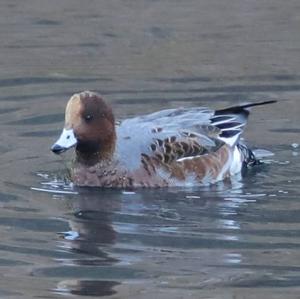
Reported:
(88, 117)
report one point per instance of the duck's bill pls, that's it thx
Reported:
(66, 140)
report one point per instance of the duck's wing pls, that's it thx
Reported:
(175, 134)
(154, 133)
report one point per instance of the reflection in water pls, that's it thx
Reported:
(90, 236)
(108, 227)
(87, 287)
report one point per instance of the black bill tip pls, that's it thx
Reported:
(57, 149)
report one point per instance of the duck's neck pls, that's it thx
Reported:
(100, 154)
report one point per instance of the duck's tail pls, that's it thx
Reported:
(231, 121)
(242, 109)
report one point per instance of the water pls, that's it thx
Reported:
(237, 239)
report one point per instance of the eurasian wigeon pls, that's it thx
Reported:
(173, 147)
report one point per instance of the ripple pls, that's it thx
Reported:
(103, 272)
(39, 120)
(10, 82)
(53, 191)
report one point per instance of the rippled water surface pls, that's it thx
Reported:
(237, 239)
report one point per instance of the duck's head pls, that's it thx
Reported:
(89, 126)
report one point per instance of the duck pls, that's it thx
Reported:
(170, 148)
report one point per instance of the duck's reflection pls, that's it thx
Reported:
(106, 224)
(87, 287)
(91, 232)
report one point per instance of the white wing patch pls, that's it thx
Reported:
(188, 158)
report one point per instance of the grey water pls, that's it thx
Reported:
(237, 239)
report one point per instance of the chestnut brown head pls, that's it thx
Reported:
(89, 125)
